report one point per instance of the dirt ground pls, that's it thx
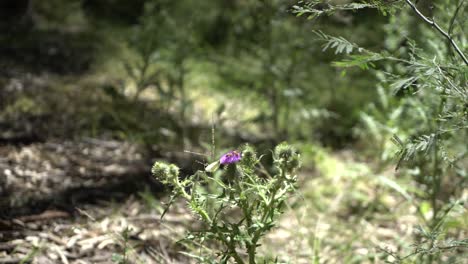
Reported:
(70, 202)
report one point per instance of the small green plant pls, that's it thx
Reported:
(236, 200)
(123, 256)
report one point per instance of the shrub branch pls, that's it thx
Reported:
(439, 29)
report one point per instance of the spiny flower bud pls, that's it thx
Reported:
(165, 173)
(286, 157)
(283, 151)
(249, 156)
(174, 170)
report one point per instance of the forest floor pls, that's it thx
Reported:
(69, 202)
(94, 201)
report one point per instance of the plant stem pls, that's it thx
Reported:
(435, 184)
(237, 257)
(245, 206)
(436, 171)
(251, 251)
(439, 29)
(267, 212)
(232, 248)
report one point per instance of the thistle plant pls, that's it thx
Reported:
(236, 200)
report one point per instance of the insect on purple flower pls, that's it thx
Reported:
(230, 157)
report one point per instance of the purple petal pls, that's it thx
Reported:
(230, 157)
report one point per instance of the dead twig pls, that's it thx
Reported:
(46, 215)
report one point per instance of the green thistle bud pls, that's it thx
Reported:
(249, 156)
(284, 151)
(174, 171)
(295, 161)
(286, 157)
(165, 173)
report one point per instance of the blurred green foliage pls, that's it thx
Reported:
(421, 105)
(254, 52)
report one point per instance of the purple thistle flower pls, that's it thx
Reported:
(230, 157)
